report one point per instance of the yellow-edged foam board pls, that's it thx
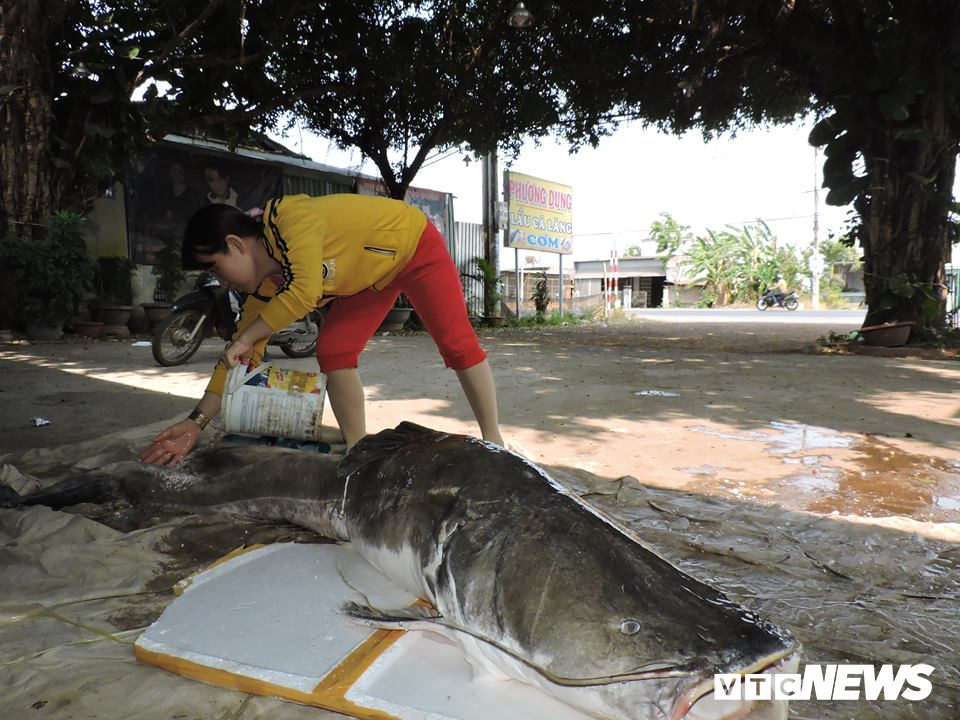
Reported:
(266, 622)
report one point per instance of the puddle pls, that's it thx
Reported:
(873, 479)
(788, 437)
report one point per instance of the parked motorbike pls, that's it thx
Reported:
(211, 309)
(787, 300)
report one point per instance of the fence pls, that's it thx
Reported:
(467, 244)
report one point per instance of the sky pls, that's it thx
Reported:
(623, 185)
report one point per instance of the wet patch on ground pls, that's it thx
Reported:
(836, 473)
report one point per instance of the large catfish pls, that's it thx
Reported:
(535, 583)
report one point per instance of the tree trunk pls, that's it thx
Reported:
(905, 215)
(26, 112)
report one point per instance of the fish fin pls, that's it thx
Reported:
(386, 443)
(393, 438)
(422, 616)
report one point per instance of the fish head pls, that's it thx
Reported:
(644, 650)
(687, 693)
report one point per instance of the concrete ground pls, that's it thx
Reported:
(719, 407)
(822, 491)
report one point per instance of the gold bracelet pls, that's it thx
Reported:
(200, 418)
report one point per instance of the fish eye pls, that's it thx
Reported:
(629, 627)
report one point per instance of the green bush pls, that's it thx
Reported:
(51, 271)
(114, 285)
(169, 270)
(492, 286)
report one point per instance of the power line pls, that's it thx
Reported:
(438, 157)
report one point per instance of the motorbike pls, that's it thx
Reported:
(788, 300)
(210, 309)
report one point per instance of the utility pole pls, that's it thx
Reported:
(491, 250)
(816, 263)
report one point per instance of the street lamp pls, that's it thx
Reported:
(521, 17)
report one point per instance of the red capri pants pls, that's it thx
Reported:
(431, 281)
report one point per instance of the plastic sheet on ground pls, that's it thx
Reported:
(75, 591)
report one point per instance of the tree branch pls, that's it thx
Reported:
(184, 34)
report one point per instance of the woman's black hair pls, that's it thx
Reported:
(207, 230)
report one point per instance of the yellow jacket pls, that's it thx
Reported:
(328, 245)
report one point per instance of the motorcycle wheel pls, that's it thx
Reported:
(306, 344)
(762, 303)
(791, 304)
(170, 345)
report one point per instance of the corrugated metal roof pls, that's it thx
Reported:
(289, 159)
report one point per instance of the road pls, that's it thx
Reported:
(750, 315)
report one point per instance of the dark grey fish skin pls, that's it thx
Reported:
(538, 584)
(506, 552)
(258, 482)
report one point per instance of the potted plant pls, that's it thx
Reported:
(114, 289)
(889, 334)
(88, 328)
(492, 292)
(397, 316)
(51, 270)
(170, 277)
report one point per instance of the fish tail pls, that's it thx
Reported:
(9, 497)
(91, 488)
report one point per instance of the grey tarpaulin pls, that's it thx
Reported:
(75, 591)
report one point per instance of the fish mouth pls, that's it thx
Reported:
(698, 703)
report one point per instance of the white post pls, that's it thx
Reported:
(816, 266)
(516, 262)
(561, 285)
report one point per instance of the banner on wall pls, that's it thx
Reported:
(540, 214)
(169, 185)
(434, 204)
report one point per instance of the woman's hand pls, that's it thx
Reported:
(170, 446)
(239, 352)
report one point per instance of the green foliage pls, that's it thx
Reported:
(736, 264)
(671, 237)
(838, 259)
(906, 286)
(51, 270)
(882, 78)
(169, 269)
(835, 251)
(541, 296)
(399, 80)
(492, 287)
(555, 319)
(113, 280)
(712, 260)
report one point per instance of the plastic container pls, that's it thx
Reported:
(273, 401)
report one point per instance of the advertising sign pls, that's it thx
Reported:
(434, 204)
(541, 214)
